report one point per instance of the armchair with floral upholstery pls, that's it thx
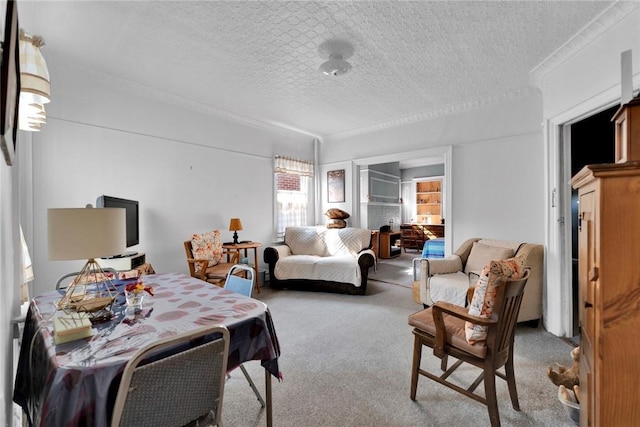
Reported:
(207, 259)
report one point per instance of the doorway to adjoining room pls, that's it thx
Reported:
(592, 142)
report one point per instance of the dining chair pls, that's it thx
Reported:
(175, 381)
(442, 327)
(241, 280)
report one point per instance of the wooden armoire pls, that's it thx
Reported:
(609, 278)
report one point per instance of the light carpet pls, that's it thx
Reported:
(398, 271)
(346, 361)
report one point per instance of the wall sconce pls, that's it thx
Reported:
(35, 87)
(235, 225)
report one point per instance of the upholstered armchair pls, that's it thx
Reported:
(207, 259)
(452, 279)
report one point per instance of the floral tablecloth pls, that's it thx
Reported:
(75, 383)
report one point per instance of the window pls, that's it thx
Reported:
(292, 184)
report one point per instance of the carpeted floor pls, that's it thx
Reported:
(346, 362)
(398, 271)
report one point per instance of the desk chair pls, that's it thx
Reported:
(442, 327)
(177, 389)
(241, 280)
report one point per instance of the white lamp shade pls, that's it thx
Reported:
(35, 87)
(34, 74)
(85, 233)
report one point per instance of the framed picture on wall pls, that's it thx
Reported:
(335, 186)
(9, 84)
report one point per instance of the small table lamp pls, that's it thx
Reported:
(235, 225)
(87, 233)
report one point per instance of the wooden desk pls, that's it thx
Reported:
(71, 384)
(230, 247)
(433, 231)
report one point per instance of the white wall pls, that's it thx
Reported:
(581, 84)
(498, 189)
(497, 165)
(594, 70)
(190, 172)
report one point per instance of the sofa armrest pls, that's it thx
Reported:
(416, 268)
(436, 266)
(273, 253)
(531, 307)
(366, 258)
(428, 268)
(450, 264)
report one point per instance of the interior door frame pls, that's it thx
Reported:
(558, 287)
(444, 152)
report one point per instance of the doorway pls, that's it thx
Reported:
(438, 155)
(592, 142)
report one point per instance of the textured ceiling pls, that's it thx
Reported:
(259, 60)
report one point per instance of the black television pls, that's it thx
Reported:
(131, 213)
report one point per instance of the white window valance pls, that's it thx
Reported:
(293, 166)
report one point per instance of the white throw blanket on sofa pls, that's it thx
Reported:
(318, 253)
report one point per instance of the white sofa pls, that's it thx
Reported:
(449, 279)
(321, 259)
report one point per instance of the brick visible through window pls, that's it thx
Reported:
(288, 181)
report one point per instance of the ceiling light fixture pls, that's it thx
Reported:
(336, 52)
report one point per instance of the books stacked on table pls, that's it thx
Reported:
(70, 326)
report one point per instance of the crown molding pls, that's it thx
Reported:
(193, 105)
(438, 112)
(190, 104)
(603, 22)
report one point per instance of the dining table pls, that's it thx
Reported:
(75, 383)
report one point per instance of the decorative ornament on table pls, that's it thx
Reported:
(135, 292)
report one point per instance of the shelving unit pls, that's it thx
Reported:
(428, 201)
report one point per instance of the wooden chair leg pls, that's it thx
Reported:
(443, 362)
(511, 382)
(417, 356)
(490, 396)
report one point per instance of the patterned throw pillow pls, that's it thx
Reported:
(207, 246)
(485, 292)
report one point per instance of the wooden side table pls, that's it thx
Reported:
(243, 248)
(387, 244)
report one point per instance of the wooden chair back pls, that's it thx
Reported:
(449, 340)
(200, 269)
(201, 273)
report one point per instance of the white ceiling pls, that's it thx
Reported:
(258, 61)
